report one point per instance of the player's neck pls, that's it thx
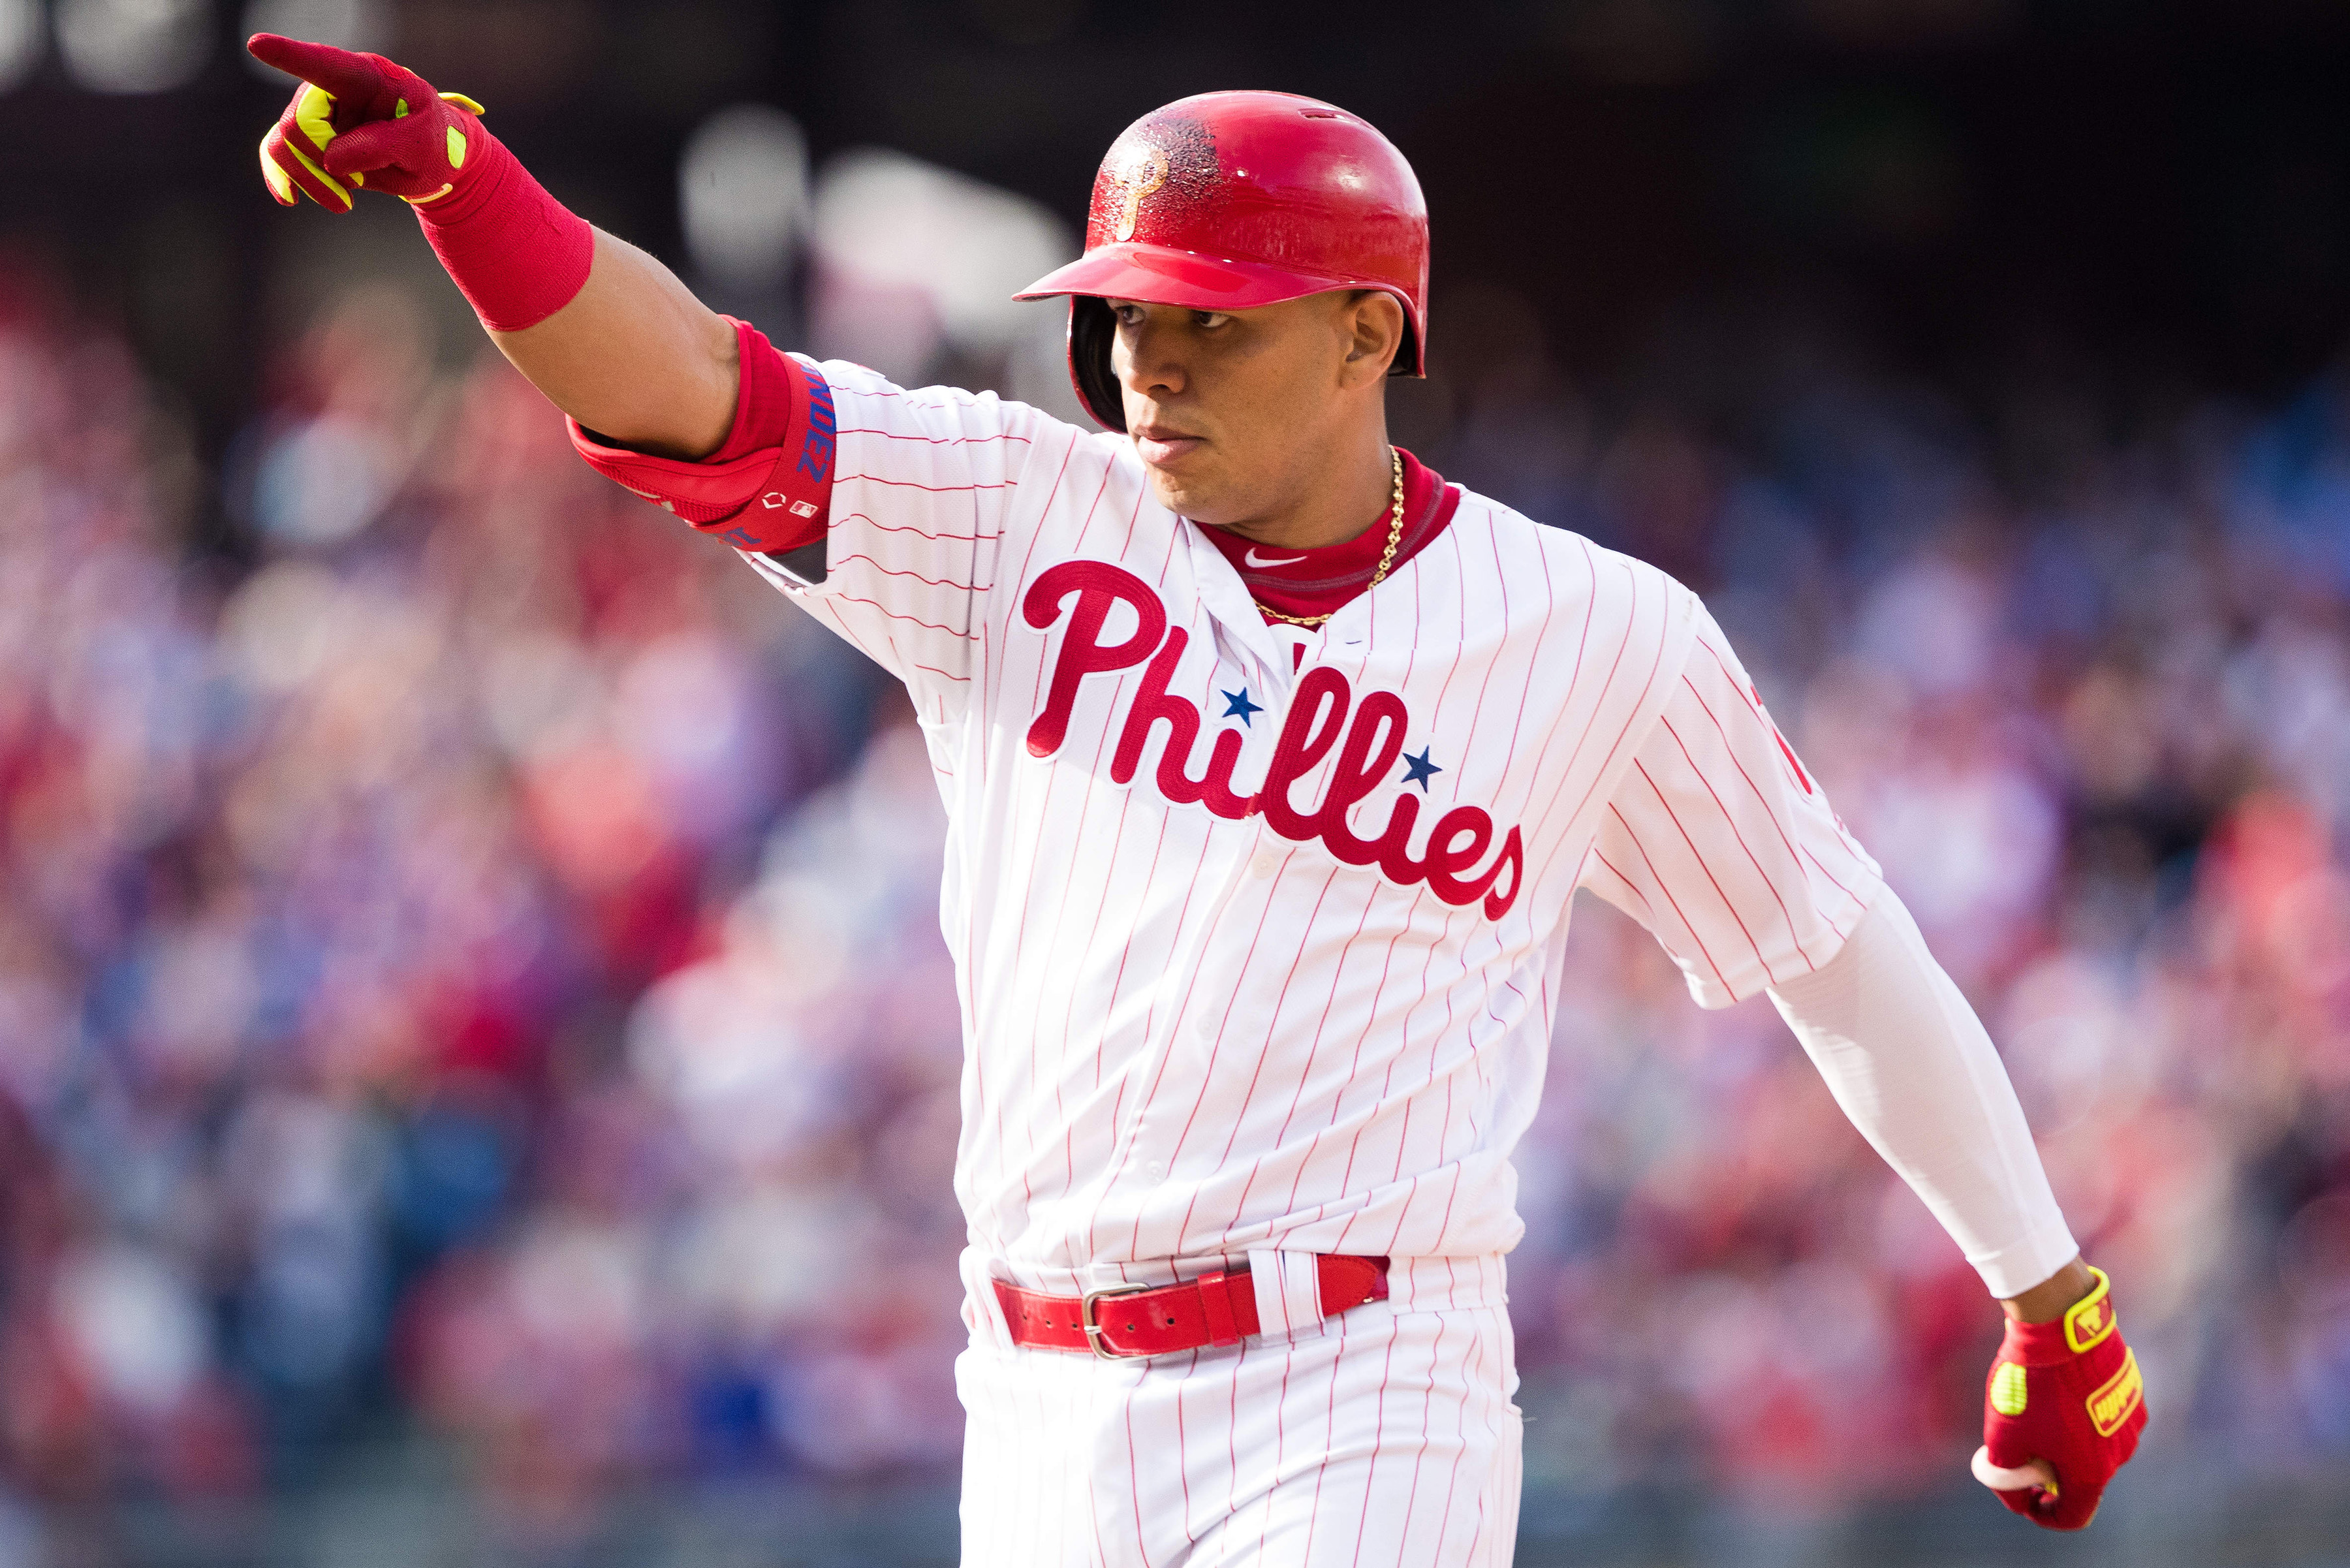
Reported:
(1347, 494)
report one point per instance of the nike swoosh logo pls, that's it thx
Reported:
(1254, 560)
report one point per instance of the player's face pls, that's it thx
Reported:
(1238, 413)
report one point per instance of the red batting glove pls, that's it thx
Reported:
(2067, 1394)
(361, 121)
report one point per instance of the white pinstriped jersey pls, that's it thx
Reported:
(1261, 952)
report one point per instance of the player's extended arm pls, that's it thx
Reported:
(607, 332)
(1913, 1068)
(635, 357)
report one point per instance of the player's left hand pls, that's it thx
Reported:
(361, 121)
(2062, 1412)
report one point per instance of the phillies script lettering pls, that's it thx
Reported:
(1367, 735)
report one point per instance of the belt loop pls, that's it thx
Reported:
(984, 1299)
(1288, 1291)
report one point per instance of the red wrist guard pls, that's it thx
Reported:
(517, 253)
(769, 487)
(2067, 1392)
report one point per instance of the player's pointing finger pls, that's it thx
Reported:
(348, 76)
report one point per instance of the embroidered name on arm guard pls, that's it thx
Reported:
(768, 489)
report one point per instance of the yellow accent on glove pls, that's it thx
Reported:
(2089, 1320)
(314, 112)
(324, 178)
(314, 115)
(2111, 1405)
(280, 183)
(2008, 1390)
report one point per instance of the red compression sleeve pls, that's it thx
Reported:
(517, 255)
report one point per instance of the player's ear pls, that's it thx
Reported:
(1374, 332)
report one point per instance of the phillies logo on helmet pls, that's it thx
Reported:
(1141, 172)
(1367, 734)
(1227, 200)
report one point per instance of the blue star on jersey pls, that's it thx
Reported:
(1418, 770)
(1238, 706)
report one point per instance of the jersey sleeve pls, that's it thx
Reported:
(926, 485)
(881, 511)
(1721, 843)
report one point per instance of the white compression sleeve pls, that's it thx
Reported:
(1910, 1063)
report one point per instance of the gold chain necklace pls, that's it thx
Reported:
(1386, 560)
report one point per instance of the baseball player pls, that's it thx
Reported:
(1272, 762)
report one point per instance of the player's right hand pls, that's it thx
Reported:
(361, 121)
(2063, 1410)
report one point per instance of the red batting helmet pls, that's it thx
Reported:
(1230, 200)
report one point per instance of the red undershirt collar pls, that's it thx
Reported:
(1321, 580)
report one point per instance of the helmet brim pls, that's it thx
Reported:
(1161, 275)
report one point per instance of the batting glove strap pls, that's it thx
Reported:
(359, 121)
(769, 488)
(2067, 1392)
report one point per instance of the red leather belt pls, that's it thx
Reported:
(1218, 1308)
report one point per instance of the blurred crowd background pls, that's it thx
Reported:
(477, 1057)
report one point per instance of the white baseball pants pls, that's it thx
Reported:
(1383, 1438)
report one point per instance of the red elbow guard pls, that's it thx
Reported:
(769, 487)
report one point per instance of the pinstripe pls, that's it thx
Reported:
(1085, 805)
(1568, 774)
(1729, 748)
(873, 526)
(1174, 1031)
(1125, 1144)
(1661, 886)
(1370, 1471)
(1469, 1109)
(1582, 646)
(1321, 1025)
(1329, 1442)
(1665, 722)
(1419, 1449)
(885, 434)
(903, 571)
(1134, 1471)
(1232, 1438)
(1257, 1073)
(1208, 1073)
(1460, 1439)
(915, 485)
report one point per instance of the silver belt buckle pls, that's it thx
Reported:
(1087, 1318)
